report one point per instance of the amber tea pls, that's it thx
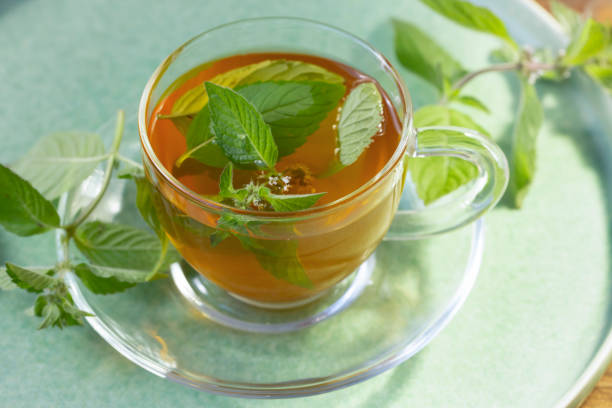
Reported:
(267, 139)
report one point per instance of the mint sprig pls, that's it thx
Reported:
(273, 255)
(589, 49)
(292, 109)
(119, 256)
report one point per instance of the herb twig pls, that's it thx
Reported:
(108, 171)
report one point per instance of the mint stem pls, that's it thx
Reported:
(107, 175)
(127, 160)
(526, 66)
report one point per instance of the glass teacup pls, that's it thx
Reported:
(331, 240)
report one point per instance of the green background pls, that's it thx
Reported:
(538, 312)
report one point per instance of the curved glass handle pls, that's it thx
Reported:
(464, 204)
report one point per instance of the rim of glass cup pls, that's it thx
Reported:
(406, 132)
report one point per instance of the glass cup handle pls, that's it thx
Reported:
(464, 204)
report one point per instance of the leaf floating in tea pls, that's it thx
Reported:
(61, 161)
(291, 70)
(239, 129)
(293, 110)
(23, 210)
(359, 122)
(280, 258)
(201, 142)
(192, 101)
(289, 202)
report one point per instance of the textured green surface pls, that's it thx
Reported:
(540, 307)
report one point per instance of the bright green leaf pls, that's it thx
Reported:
(277, 257)
(293, 110)
(471, 16)
(128, 252)
(569, 19)
(359, 122)
(192, 102)
(439, 115)
(23, 210)
(6, 283)
(472, 102)
(240, 130)
(51, 315)
(201, 142)
(435, 177)
(601, 74)
(61, 161)
(30, 280)
(591, 40)
(289, 202)
(291, 70)
(58, 310)
(280, 259)
(528, 123)
(423, 56)
(99, 284)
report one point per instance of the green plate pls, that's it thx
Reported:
(534, 331)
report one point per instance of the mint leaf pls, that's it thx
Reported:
(23, 210)
(505, 53)
(293, 110)
(420, 54)
(472, 102)
(240, 130)
(528, 123)
(592, 39)
(58, 310)
(471, 16)
(192, 101)
(201, 142)
(61, 161)
(144, 199)
(439, 115)
(32, 281)
(128, 252)
(277, 257)
(435, 177)
(359, 122)
(601, 73)
(280, 258)
(569, 19)
(291, 70)
(99, 284)
(6, 283)
(289, 202)
(51, 314)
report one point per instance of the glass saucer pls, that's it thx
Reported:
(188, 330)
